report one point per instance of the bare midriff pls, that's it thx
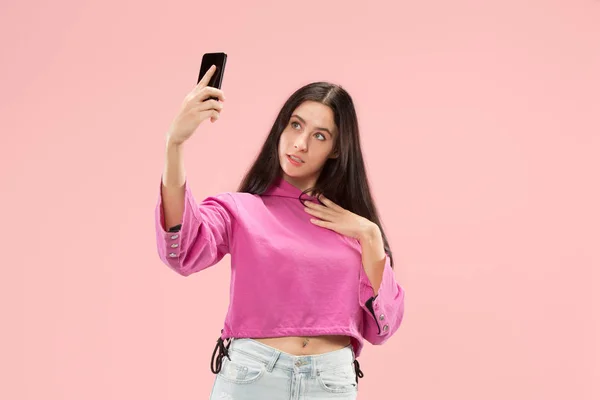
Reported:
(306, 345)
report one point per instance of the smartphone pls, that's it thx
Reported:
(217, 59)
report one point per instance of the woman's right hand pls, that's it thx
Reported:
(196, 108)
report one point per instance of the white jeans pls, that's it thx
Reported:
(260, 372)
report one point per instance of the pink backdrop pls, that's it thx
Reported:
(481, 129)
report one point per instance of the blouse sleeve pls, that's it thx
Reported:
(382, 314)
(202, 238)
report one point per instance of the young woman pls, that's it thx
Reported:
(311, 269)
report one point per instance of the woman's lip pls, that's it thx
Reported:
(292, 161)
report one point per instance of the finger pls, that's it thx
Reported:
(206, 78)
(319, 214)
(320, 207)
(212, 114)
(323, 224)
(210, 105)
(208, 92)
(329, 203)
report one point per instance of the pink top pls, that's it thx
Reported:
(288, 276)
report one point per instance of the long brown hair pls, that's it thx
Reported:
(343, 179)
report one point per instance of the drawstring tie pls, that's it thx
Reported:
(359, 373)
(216, 364)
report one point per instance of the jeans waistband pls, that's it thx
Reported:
(271, 356)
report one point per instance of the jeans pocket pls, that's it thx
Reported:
(242, 368)
(338, 380)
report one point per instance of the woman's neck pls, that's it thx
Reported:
(302, 184)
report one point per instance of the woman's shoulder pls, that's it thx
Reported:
(235, 200)
(242, 197)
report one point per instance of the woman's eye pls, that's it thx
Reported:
(320, 136)
(295, 125)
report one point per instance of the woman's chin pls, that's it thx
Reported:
(292, 172)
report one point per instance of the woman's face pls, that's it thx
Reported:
(307, 143)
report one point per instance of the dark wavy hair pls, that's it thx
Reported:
(343, 179)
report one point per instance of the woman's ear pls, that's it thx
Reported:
(334, 154)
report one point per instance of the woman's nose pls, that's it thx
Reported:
(300, 143)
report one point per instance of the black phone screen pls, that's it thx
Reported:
(217, 59)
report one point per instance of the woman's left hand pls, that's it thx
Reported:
(333, 217)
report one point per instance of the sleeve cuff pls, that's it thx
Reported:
(172, 241)
(383, 306)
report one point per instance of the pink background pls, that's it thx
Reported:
(481, 129)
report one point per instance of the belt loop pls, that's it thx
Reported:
(313, 367)
(273, 360)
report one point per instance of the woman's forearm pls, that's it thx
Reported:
(373, 256)
(173, 184)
